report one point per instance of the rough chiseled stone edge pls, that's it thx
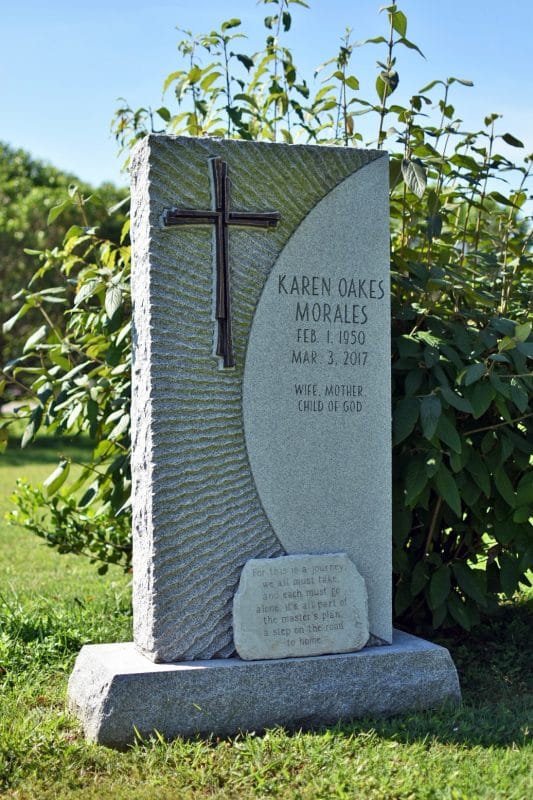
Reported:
(248, 651)
(114, 690)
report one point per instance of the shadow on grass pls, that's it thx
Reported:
(494, 666)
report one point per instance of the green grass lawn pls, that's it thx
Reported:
(50, 605)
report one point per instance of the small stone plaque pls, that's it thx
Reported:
(300, 605)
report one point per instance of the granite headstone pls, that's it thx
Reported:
(260, 429)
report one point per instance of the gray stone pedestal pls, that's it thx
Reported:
(115, 690)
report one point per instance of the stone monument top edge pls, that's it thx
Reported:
(213, 141)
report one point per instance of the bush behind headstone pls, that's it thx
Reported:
(462, 275)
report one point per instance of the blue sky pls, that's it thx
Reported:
(64, 64)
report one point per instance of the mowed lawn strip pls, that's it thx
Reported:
(51, 605)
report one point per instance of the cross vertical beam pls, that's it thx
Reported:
(221, 185)
(222, 217)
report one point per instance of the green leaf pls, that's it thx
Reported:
(57, 478)
(433, 461)
(92, 417)
(407, 347)
(419, 577)
(286, 19)
(120, 204)
(195, 73)
(386, 83)
(416, 478)
(501, 359)
(32, 427)
(463, 340)
(471, 581)
(113, 300)
(88, 496)
(36, 337)
(523, 514)
(56, 358)
(473, 373)
(508, 138)
(404, 418)
(73, 232)
(469, 490)
(439, 587)
(410, 45)
(375, 40)
(414, 176)
(400, 561)
(56, 211)
(501, 387)
(399, 22)
(504, 486)
(480, 397)
(509, 574)
(434, 222)
(439, 615)
(518, 395)
(120, 427)
(455, 400)
(459, 611)
(522, 331)
(505, 531)
(73, 416)
(524, 490)
(430, 411)
(447, 433)
(526, 348)
(507, 343)
(164, 113)
(478, 470)
(352, 82)
(8, 325)
(230, 23)
(455, 460)
(402, 598)
(209, 80)
(86, 290)
(501, 198)
(413, 381)
(245, 60)
(171, 78)
(501, 405)
(431, 85)
(402, 517)
(447, 488)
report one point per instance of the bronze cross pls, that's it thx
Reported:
(221, 216)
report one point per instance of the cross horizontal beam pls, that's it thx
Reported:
(246, 219)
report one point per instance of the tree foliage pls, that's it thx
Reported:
(28, 190)
(462, 274)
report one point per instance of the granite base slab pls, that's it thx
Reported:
(114, 690)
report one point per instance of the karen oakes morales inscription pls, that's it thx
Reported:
(347, 289)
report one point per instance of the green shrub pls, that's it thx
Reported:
(28, 190)
(462, 276)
